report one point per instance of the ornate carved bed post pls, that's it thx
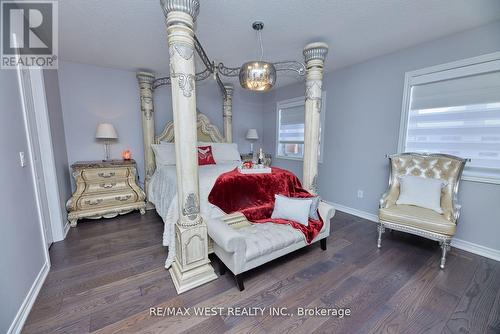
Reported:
(228, 113)
(314, 56)
(191, 267)
(145, 80)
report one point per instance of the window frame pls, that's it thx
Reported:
(297, 102)
(453, 70)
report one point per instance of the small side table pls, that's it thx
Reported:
(104, 189)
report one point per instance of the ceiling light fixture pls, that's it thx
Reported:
(258, 75)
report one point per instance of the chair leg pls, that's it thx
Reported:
(381, 229)
(239, 282)
(323, 243)
(445, 248)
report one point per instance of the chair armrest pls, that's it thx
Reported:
(226, 237)
(382, 203)
(389, 197)
(455, 209)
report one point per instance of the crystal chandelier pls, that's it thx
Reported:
(258, 75)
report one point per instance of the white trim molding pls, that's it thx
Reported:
(471, 247)
(24, 310)
(57, 216)
(355, 212)
(468, 246)
(66, 229)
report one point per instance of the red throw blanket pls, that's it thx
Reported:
(253, 195)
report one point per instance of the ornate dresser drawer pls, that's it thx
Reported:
(103, 174)
(107, 186)
(104, 189)
(106, 199)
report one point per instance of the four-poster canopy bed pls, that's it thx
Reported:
(185, 229)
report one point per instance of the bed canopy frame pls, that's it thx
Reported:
(191, 267)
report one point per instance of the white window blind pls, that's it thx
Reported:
(291, 131)
(292, 125)
(290, 128)
(458, 116)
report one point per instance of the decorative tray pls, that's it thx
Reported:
(264, 170)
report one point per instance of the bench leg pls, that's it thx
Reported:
(222, 268)
(322, 243)
(239, 282)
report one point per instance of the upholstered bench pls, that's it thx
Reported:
(249, 247)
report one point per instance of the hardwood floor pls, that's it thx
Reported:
(107, 274)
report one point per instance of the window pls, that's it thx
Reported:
(290, 128)
(455, 109)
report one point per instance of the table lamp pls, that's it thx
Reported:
(106, 132)
(251, 137)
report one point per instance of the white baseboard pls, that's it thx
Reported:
(468, 246)
(24, 310)
(66, 229)
(354, 212)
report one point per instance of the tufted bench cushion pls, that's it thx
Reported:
(249, 247)
(263, 239)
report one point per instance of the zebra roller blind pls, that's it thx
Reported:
(458, 116)
(290, 128)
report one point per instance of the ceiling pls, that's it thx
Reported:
(131, 34)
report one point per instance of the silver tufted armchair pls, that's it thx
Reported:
(417, 220)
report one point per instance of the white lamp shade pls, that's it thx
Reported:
(252, 134)
(106, 131)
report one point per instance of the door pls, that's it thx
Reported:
(28, 101)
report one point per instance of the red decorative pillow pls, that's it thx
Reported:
(205, 156)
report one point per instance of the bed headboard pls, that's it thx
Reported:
(207, 132)
(205, 129)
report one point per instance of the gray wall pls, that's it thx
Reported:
(362, 122)
(362, 125)
(58, 139)
(21, 245)
(93, 94)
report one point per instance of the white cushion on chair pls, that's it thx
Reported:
(296, 209)
(420, 191)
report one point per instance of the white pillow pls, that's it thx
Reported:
(164, 153)
(420, 191)
(296, 209)
(223, 152)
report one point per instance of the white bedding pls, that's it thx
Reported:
(163, 193)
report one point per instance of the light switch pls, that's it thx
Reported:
(22, 159)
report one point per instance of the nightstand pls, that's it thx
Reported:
(249, 157)
(104, 189)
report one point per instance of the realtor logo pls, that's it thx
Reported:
(29, 34)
